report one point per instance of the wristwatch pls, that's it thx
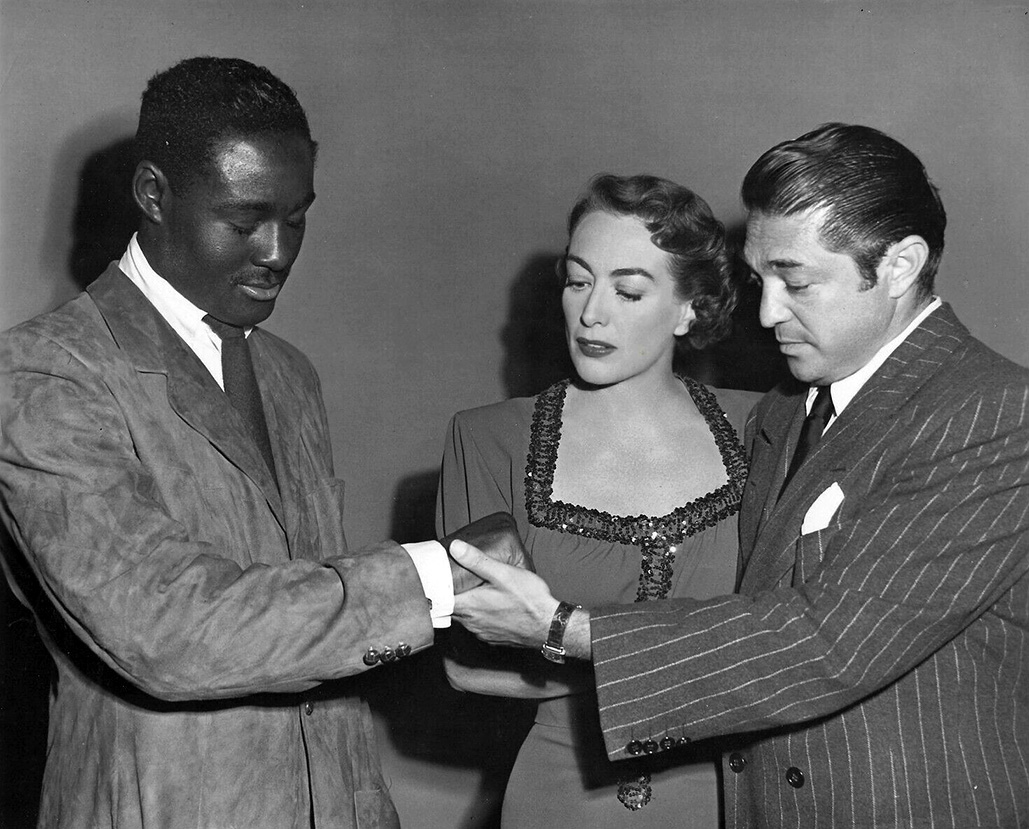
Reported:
(553, 648)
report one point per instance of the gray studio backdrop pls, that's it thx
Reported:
(454, 137)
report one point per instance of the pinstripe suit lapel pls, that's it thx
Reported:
(891, 387)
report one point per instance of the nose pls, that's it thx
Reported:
(277, 247)
(594, 311)
(773, 308)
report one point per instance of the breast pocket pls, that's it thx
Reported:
(810, 554)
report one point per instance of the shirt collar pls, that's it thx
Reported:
(845, 390)
(181, 314)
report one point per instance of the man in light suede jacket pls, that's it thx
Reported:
(188, 571)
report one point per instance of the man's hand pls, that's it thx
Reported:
(496, 536)
(513, 607)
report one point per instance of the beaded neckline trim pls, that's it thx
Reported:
(681, 523)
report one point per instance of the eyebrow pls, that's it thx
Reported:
(774, 264)
(571, 257)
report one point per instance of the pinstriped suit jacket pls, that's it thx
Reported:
(875, 672)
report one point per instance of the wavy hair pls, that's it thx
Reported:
(681, 224)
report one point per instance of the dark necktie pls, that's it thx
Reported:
(241, 384)
(811, 432)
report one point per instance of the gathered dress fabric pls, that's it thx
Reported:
(503, 457)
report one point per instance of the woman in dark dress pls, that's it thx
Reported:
(624, 481)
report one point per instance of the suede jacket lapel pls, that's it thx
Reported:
(872, 411)
(153, 347)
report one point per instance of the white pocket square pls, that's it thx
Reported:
(822, 510)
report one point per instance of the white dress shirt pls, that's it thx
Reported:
(430, 559)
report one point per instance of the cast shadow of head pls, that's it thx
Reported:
(105, 215)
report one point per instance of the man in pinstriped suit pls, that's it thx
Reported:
(874, 669)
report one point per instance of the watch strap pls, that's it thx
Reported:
(553, 648)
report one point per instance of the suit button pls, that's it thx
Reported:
(668, 743)
(309, 708)
(403, 649)
(650, 747)
(737, 761)
(371, 657)
(634, 747)
(795, 777)
(388, 655)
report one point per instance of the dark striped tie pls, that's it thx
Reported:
(240, 384)
(811, 432)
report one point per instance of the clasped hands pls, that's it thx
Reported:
(498, 596)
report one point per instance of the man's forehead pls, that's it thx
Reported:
(262, 169)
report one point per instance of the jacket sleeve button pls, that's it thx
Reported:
(403, 649)
(634, 747)
(371, 657)
(667, 743)
(388, 655)
(309, 708)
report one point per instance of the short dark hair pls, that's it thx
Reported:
(874, 189)
(188, 109)
(681, 224)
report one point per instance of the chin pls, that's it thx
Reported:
(592, 377)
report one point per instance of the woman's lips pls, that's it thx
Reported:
(594, 348)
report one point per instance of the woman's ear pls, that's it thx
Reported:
(687, 316)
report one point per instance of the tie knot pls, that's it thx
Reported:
(822, 408)
(223, 329)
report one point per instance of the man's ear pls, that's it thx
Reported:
(902, 263)
(151, 191)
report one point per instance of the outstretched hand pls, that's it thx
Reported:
(512, 607)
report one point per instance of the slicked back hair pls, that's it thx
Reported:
(191, 107)
(875, 192)
(681, 224)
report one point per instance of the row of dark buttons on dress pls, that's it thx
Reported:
(637, 747)
(794, 776)
(386, 655)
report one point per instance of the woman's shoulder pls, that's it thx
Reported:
(736, 404)
(503, 417)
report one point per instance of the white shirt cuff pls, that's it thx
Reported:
(433, 566)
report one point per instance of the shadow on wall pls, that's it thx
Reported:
(535, 352)
(105, 214)
(104, 220)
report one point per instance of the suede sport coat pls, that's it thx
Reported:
(199, 618)
(875, 670)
